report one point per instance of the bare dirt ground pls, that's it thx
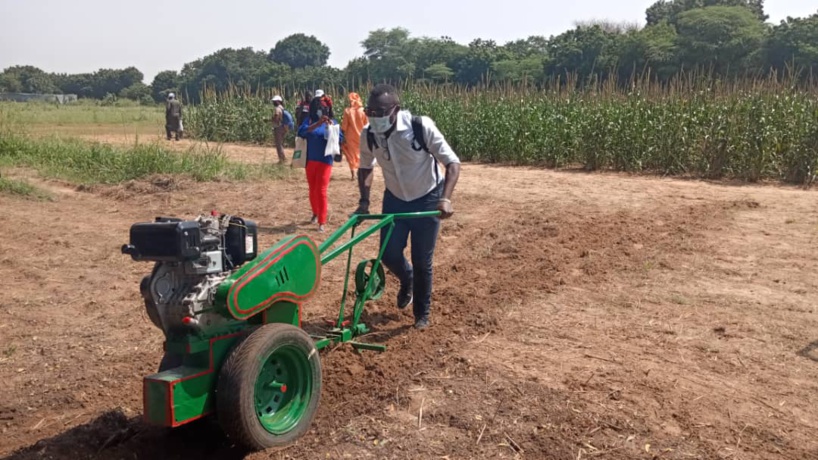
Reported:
(575, 316)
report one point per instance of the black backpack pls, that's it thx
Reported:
(417, 132)
(419, 141)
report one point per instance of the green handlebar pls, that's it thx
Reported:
(370, 287)
(354, 221)
(397, 216)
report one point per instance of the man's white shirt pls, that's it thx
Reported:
(408, 173)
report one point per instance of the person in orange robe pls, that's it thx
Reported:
(352, 124)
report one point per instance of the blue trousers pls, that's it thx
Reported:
(423, 232)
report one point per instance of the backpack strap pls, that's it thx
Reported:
(420, 139)
(417, 132)
(370, 140)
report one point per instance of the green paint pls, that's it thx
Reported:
(156, 402)
(269, 289)
(322, 342)
(370, 279)
(363, 274)
(283, 389)
(289, 272)
(368, 346)
(283, 312)
(188, 389)
(193, 397)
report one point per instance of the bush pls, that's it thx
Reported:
(23, 189)
(97, 163)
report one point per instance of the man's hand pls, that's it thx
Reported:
(445, 208)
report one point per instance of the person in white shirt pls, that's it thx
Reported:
(413, 183)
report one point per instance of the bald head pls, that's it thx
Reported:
(383, 102)
(382, 108)
(386, 93)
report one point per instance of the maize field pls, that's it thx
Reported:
(764, 129)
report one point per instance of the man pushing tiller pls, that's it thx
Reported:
(408, 149)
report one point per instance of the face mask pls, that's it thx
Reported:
(380, 125)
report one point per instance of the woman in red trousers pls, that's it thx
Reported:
(319, 165)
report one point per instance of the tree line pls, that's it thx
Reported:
(724, 38)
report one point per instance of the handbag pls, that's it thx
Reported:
(333, 141)
(300, 153)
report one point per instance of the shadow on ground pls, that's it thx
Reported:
(114, 435)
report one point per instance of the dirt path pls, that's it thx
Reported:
(575, 316)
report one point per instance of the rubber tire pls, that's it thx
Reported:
(236, 387)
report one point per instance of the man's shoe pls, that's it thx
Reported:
(422, 323)
(405, 296)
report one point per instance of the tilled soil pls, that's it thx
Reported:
(575, 316)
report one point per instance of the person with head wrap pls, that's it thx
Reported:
(352, 124)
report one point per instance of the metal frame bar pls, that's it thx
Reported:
(346, 333)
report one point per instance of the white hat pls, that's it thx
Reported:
(171, 95)
(319, 92)
(277, 98)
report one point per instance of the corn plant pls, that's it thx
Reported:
(693, 125)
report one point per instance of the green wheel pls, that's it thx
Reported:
(269, 387)
(363, 274)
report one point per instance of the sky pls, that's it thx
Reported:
(75, 36)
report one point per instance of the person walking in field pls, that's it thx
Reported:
(352, 124)
(302, 111)
(173, 117)
(326, 103)
(408, 149)
(315, 129)
(282, 122)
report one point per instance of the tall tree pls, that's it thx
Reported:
(724, 37)
(517, 70)
(534, 45)
(165, 82)
(653, 49)
(10, 83)
(391, 54)
(439, 72)
(670, 10)
(224, 67)
(29, 79)
(435, 52)
(794, 42)
(476, 65)
(299, 51)
(583, 50)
